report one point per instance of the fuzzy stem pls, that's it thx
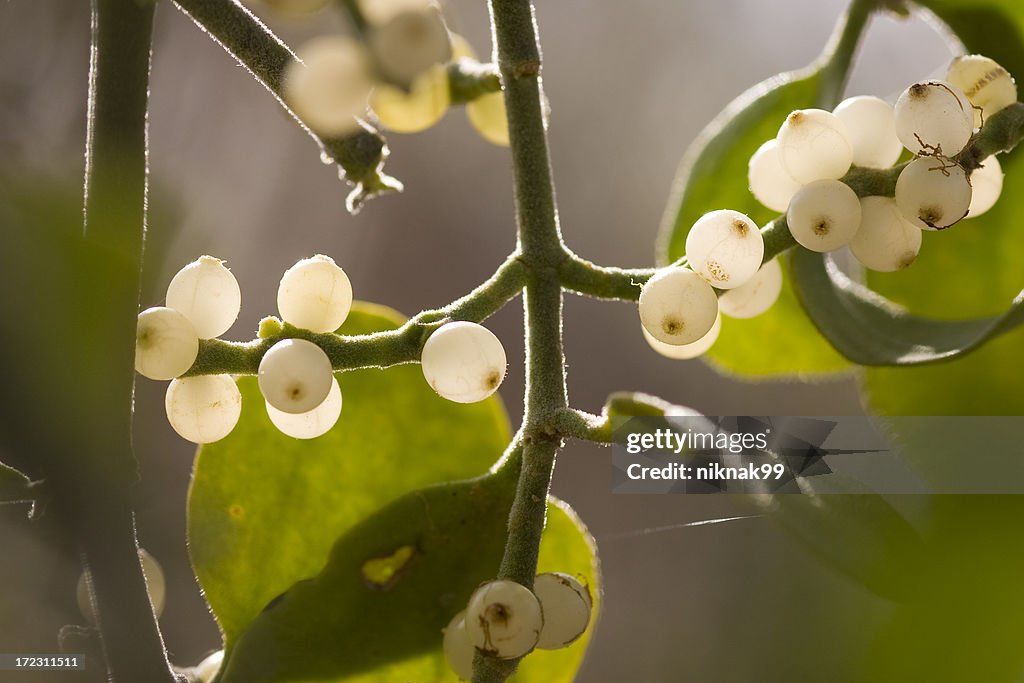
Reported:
(93, 485)
(255, 46)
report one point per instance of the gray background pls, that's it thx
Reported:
(630, 85)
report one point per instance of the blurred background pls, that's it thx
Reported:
(630, 86)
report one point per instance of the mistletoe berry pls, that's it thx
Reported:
(203, 409)
(166, 344)
(487, 115)
(871, 126)
(769, 182)
(824, 215)
(988, 86)
(725, 248)
(503, 619)
(206, 293)
(886, 240)
(420, 108)
(410, 42)
(315, 294)
(328, 87)
(685, 351)
(932, 194)
(756, 295)
(313, 423)
(986, 186)
(566, 605)
(934, 118)
(295, 376)
(814, 144)
(677, 306)
(458, 651)
(463, 362)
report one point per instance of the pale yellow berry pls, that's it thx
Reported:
(487, 115)
(420, 108)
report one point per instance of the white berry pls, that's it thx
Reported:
(988, 86)
(824, 215)
(685, 351)
(756, 295)
(725, 248)
(315, 294)
(203, 409)
(769, 182)
(565, 604)
(207, 294)
(986, 186)
(503, 619)
(458, 651)
(410, 42)
(166, 344)
(934, 118)
(416, 110)
(933, 194)
(487, 115)
(207, 669)
(677, 306)
(313, 423)
(871, 125)
(328, 87)
(295, 376)
(886, 240)
(463, 362)
(156, 586)
(814, 144)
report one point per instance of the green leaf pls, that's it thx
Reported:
(341, 626)
(869, 329)
(993, 28)
(713, 176)
(265, 512)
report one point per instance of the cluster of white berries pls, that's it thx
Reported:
(800, 171)
(506, 620)
(463, 361)
(680, 311)
(399, 70)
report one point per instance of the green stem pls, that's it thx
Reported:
(542, 251)
(379, 350)
(238, 31)
(92, 485)
(468, 80)
(841, 50)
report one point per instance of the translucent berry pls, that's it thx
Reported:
(461, 49)
(986, 186)
(677, 306)
(295, 376)
(463, 362)
(330, 86)
(503, 619)
(207, 294)
(207, 669)
(871, 125)
(933, 194)
(487, 115)
(565, 604)
(769, 182)
(934, 118)
(313, 423)
(725, 248)
(292, 9)
(203, 409)
(989, 87)
(416, 110)
(756, 295)
(410, 42)
(458, 651)
(886, 240)
(814, 144)
(686, 351)
(166, 344)
(156, 586)
(315, 294)
(824, 215)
